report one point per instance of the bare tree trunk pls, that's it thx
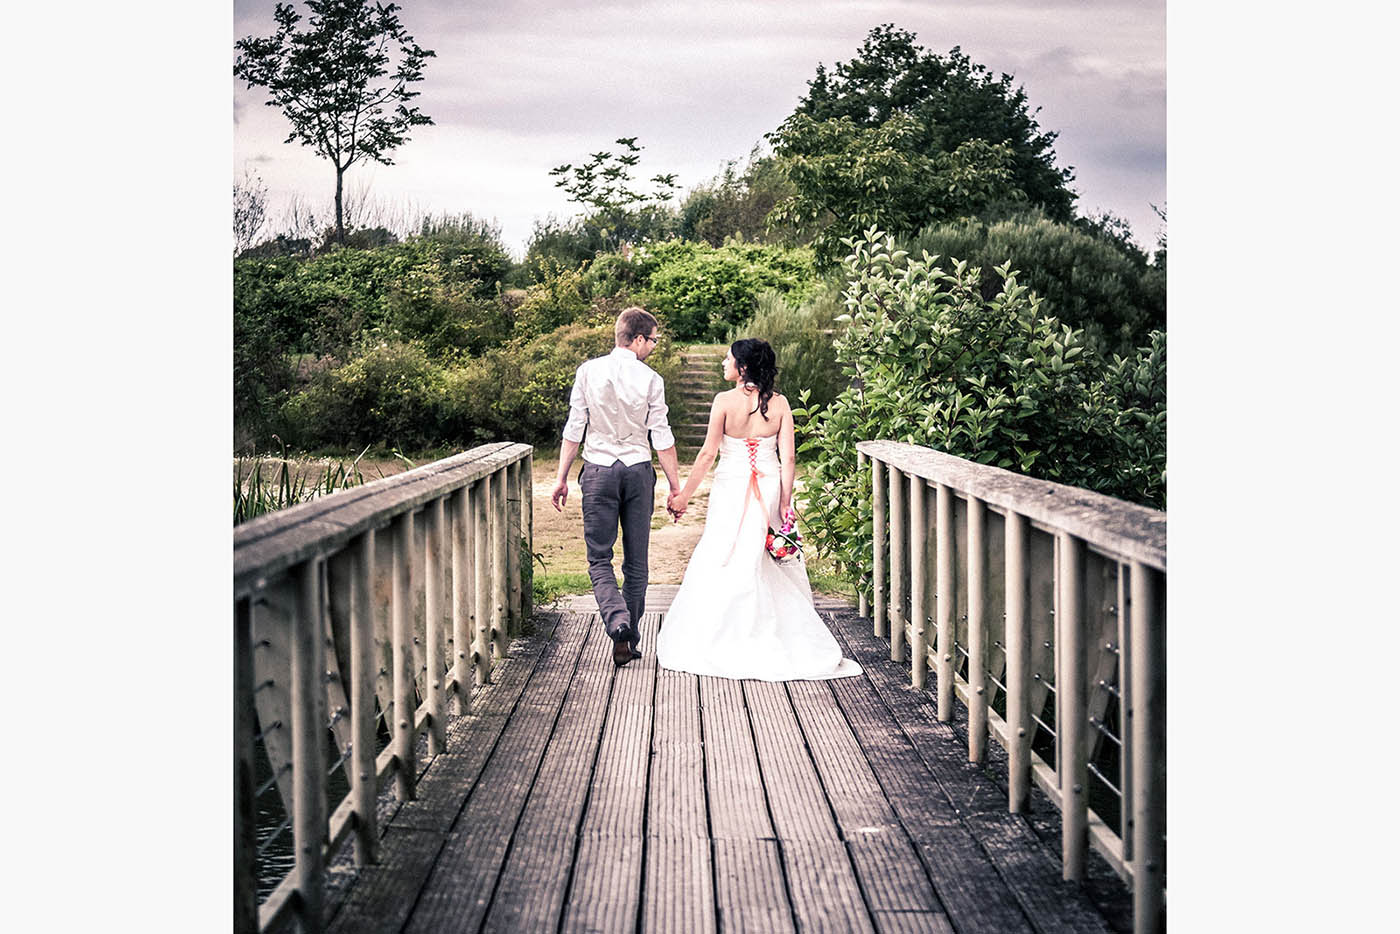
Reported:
(339, 210)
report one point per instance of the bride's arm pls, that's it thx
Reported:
(706, 457)
(787, 453)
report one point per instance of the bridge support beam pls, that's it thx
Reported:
(309, 828)
(1149, 738)
(899, 563)
(862, 590)
(1018, 664)
(433, 579)
(463, 608)
(363, 775)
(947, 604)
(881, 495)
(976, 631)
(1071, 722)
(405, 706)
(918, 581)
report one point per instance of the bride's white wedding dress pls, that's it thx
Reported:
(738, 613)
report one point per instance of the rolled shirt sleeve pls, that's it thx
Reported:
(578, 410)
(661, 435)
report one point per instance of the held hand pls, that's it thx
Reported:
(676, 504)
(560, 494)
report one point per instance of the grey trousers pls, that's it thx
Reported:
(613, 494)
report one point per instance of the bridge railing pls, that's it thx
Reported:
(360, 619)
(1042, 608)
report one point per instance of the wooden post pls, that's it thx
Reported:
(512, 527)
(947, 605)
(1149, 738)
(309, 828)
(405, 708)
(500, 565)
(481, 551)
(899, 563)
(918, 580)
(245, 848)
(1018, 663)
(363, 780)
(862, 592)
(433, 579)
(1071, 718)
(463, 608)
(976, 631)
(527, 525)
(880, 494)
(1125, 708)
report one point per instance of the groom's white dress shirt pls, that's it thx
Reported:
(619, 399)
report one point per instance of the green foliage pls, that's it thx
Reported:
(557, 299)
(603, 185)
(698, 291)
(393, 393)
(1089, 277)
(736, 205)
(260, 488)
(933, 362)
(847, 178)
(329, 79)
(952, 101)
(390, 392)
(803, 339)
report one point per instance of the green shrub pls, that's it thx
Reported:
(1098, 283)
(557, 299)
(803, 338)
(700, 291)
(390, 393)
(933, 362)
(444, 315)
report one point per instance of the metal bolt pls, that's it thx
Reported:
(1112, 608)
(947, 658)
(981, 690)
(1021, 731)
(1078, 789)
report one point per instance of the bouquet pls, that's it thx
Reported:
(785, 542)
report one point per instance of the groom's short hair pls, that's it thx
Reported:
(633, 323)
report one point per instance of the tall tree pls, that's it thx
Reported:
(333, 81)
(953, 99)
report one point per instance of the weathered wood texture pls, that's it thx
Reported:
(1123, 528)
(578, 796)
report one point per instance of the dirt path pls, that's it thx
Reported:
(559, 536)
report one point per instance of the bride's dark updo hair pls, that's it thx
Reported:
(758, 366)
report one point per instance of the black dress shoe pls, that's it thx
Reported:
(622, 653)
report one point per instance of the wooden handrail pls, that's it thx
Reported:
(1043, 597)
(402, 592)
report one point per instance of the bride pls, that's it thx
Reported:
(738, 613)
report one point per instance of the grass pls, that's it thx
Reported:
(551, 585)
(266, 484)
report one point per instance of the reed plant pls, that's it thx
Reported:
(264, 484)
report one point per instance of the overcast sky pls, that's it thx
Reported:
(520, 86)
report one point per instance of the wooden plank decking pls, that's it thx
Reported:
(579, 797)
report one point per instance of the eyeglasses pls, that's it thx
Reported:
(652, 339)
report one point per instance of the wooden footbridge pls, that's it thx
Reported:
(423, 751)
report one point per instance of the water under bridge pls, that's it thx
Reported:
(417, 748)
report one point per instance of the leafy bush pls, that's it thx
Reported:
(393, 393)
(557, 299)
(933, 362)
(803, 339)
(389, 393)
(700, 291)
(1098, 283)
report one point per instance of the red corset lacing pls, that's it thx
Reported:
(754, 474)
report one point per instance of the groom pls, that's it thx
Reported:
(619, 399)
